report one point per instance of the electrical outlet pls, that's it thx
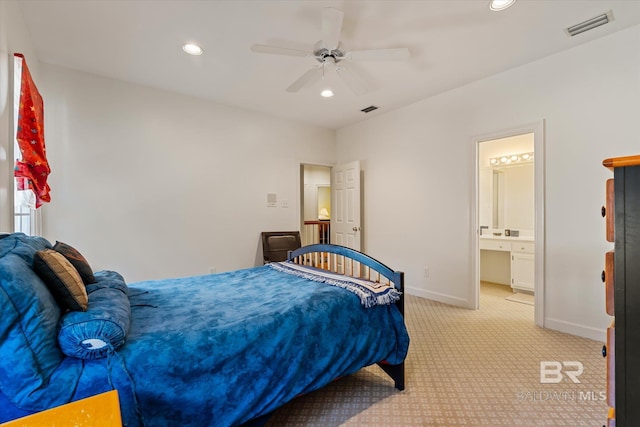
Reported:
(426, 272)
(285, 203)
(212, 270)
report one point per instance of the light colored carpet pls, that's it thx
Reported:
(522, 298)
(466, 368)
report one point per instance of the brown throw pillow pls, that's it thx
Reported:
(62, 279)
(77, 260)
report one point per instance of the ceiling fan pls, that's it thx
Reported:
(330, 53)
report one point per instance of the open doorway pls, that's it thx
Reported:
(506, 216)
(337, 220)
(315, 204)
(509, 254)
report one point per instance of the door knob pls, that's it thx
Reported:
(356, 228)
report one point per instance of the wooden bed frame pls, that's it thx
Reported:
(352, 263)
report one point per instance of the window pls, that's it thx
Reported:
(23, 213)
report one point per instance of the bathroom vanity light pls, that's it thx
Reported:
(511, 159)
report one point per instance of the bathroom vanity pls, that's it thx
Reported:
(518, 254)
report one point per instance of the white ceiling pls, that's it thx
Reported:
(452, 43)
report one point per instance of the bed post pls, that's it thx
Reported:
(396, 372)
(400, 302)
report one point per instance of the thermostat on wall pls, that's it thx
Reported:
(272, 200)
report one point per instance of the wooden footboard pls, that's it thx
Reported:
(352, 263)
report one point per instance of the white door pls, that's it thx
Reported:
(345, 205)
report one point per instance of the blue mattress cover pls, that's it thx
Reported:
(223, 349)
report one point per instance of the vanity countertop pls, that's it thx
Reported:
(503, 237)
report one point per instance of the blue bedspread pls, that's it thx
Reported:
(219, 350)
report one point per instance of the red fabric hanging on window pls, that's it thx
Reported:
(32, 170)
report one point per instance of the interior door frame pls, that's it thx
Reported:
(301, 166)
(537, 128)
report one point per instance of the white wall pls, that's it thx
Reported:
(419, 165)
(155, 185)
(13, 39)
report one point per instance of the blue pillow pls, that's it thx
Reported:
(94, 333)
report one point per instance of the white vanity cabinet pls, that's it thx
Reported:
(495, 244)
(522, 265)
(522, 259)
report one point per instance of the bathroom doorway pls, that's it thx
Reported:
(509, 253)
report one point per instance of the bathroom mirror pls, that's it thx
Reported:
(497, 199)
(506, 183)
(511, 195)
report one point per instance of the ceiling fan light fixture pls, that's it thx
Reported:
(326, 93)
(332, 56)
(498, 5)
(192, 49)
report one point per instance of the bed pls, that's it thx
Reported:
(224, 349)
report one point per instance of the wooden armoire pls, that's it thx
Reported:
(622, 284)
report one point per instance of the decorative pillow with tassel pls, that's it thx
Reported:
(103, 328)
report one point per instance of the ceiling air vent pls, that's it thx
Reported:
(590, 24)
(369, 109)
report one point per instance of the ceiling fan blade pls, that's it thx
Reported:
(378, 54)
(352, 79)
(331, 27)
(275, 50)
(307, 79)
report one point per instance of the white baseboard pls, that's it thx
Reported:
(435, 296)
(576, 329)
(555, 324)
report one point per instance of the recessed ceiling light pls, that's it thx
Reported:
(327, 93)
(192, 49)
(498, 5)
